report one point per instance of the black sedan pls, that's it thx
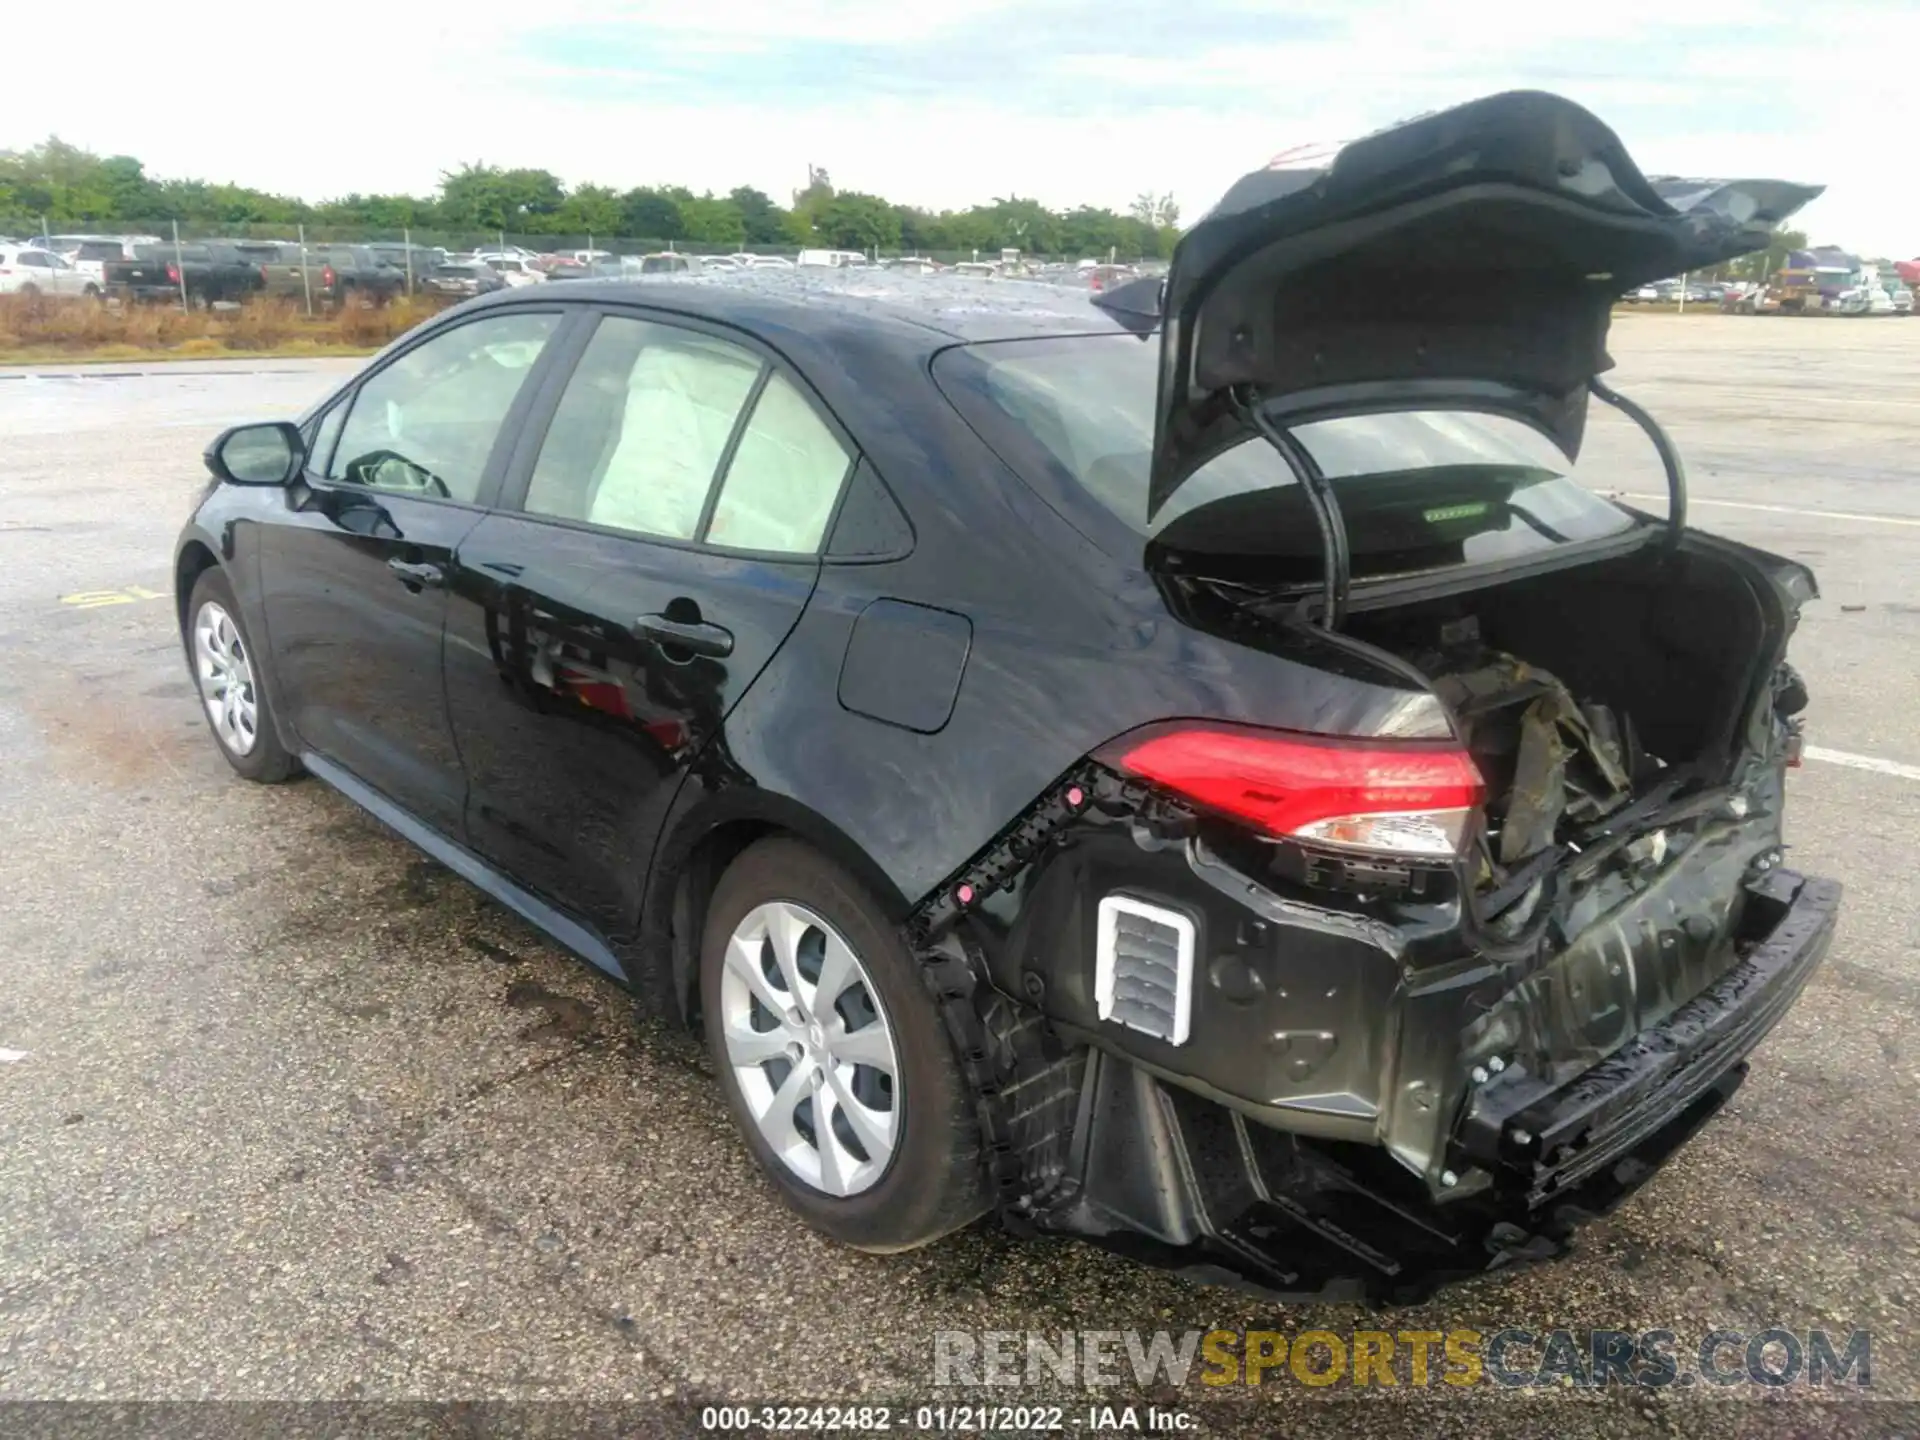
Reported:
(1189, 766)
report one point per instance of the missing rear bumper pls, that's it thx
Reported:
(1174, 1179)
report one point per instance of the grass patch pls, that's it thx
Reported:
(37, 329)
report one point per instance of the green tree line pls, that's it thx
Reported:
(69, 188)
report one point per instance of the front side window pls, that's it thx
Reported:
(427, 423)
(642, 428)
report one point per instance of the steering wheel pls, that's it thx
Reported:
(390, 470)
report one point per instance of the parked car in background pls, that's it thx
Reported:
(462, 278)
(913, 265)
(668, 262)
(210, 271)
(29, 270)
(331, 274)
(720, 264)
(610, 268)
(397, 254)
(769, 262)
(360, 275)
(831, 259)
(1900, 296)
(90, 253)
(977, 269)
(516, 270)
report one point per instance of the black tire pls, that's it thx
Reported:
(267, 761)
(934, 1183)
(28, 290)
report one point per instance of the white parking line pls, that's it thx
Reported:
(1862, 762)
(12, 1057)
(1780, 509)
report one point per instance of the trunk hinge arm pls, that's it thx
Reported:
(1669, 456)
(1335, 558)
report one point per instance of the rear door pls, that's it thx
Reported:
(354, 575)
(671, 513)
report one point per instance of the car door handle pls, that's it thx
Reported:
(415, 575)
(700, 636)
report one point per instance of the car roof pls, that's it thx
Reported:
(924, 312)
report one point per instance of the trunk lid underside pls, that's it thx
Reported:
(1467, 259)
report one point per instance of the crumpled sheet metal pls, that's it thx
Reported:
(1572, 760)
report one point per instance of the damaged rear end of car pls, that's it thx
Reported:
(1354, 1012)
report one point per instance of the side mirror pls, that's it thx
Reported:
(270, 453)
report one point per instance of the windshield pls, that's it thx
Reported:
(1418, 489)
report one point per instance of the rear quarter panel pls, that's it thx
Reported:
(1069, 647)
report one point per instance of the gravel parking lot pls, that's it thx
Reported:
(289, 1112)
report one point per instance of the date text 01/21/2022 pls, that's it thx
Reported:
(953, 1419)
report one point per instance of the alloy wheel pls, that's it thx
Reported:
(225, 672)
(811, 1048)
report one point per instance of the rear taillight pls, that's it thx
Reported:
(326, 277)
(1406, 800)
(173, 274)
(263, 275)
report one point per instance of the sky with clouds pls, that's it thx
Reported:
(942, 105)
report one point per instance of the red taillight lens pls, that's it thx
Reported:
(173, 274)
(1400, 800)
(326, 277)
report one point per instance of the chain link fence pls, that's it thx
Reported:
(465, 242)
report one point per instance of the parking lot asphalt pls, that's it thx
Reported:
(287, 1111)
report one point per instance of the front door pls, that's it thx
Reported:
(354, 576)
(670, 527)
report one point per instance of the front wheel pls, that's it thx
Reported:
(833, 1058)
(226, 670)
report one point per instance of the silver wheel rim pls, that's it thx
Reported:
(225, 671)
(811, 1048)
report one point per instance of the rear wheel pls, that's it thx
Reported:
(832, 1055)
(29, 289)
(226, 670)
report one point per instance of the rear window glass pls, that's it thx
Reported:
(1418, 489)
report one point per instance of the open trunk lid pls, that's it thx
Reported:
(1465, 260)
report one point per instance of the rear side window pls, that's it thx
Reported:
(1418, 489)
(784, 477)
(427, 423)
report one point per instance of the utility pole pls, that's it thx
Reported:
(179, 267)
(306, 278)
